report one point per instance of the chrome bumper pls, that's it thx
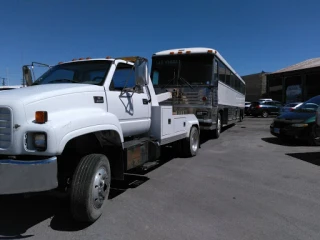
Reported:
(23, 176)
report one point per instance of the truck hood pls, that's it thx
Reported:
(36, 93)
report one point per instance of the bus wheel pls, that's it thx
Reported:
(241, 116)
(217, 131)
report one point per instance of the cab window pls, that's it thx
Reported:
(123, 77)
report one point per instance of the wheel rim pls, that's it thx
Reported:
(219, 126)
(100, 187)
(194, 140)
(265, 114)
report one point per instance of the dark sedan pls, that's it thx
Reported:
(299, 123)
(265, 108)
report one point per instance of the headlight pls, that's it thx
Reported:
(300, 125)
(40, 141)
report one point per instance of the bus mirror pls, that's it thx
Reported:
(27, 76)
(141, 72)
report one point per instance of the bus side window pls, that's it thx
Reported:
(228, 76)
(215, 74)
(222, 72)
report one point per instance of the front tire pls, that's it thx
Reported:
(217, 131)
(313, 141)
(90, 187)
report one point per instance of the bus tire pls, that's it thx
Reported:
(217, 131)
(241, 116)
(90, 188)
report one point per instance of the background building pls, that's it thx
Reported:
(298, 82)
(256, 86)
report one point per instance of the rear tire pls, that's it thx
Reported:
(90, 187)
(217, 131)
(190, 145)
(265, 114)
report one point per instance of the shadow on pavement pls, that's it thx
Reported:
(208, 135)
(285, 142)
(310, 157)
(18, 213)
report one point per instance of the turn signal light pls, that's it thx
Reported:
(179, 52)
(188, 51)
(81, 58)
(209, 51)
(41, 117)
(171, 53)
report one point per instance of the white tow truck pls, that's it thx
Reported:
(82, 123)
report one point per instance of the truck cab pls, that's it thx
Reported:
(82, 123)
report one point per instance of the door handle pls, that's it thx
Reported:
(145, 101)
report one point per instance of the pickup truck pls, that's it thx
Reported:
(82, 123)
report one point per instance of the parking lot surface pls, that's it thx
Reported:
(244, 185)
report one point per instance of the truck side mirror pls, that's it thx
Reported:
(27, 76)
(318, 116)
(141, 72)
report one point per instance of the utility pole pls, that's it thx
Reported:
(3, 81)
(7, 76)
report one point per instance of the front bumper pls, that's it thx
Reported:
(24, 176)
(290, 131)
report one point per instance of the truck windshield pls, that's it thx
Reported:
(86, 72)
(182, 69)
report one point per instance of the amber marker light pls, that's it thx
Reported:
(41, 117)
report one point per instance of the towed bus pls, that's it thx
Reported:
(202, 83)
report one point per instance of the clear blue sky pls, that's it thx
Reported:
(251, 35)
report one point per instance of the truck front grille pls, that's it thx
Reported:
(5, 127)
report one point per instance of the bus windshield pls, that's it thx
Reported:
(182, 70)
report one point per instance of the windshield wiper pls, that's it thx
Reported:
(63, 80)
(185, 81)
(174, 77)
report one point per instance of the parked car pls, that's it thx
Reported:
(289, 107)
(300, 123)
(247, 108)
(265, 99)
(265, 108)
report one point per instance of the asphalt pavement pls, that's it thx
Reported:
(244, 185)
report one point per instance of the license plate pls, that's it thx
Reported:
(276, 130)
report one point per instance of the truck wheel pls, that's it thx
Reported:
(217, 131)
(90, 187)
(191, 144)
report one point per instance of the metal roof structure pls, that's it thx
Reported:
(310, 63)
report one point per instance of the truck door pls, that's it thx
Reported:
(131, 107)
